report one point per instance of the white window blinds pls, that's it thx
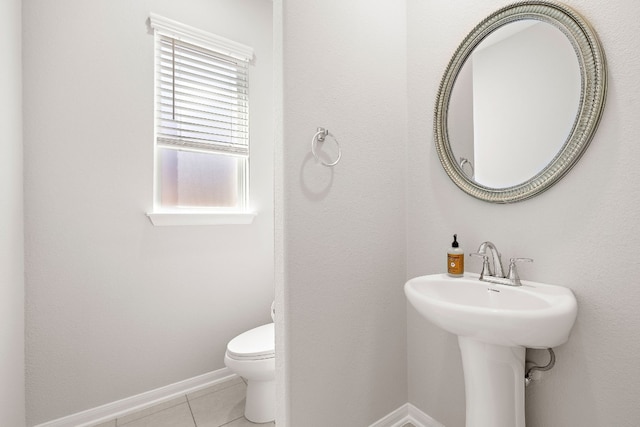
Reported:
(202, 99)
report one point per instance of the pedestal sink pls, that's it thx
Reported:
(494, 324)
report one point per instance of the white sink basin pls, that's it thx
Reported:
(495, 324)
(533, 315)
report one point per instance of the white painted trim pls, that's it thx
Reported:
(141, 401)
(407, 413)
(397, 418)
(200, 218)
(180, 31)
(420, 419)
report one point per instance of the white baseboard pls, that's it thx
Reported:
(407, 413)
(397, 418)
(420, 419)
(141, 401)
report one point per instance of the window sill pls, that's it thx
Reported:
(200, 218)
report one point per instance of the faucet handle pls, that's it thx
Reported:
(513, 271)
(486, 268)
(512, 261)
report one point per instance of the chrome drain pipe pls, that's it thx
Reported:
(527, 375)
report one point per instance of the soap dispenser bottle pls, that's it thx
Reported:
(455, 259)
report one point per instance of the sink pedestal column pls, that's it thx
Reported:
(494, 384)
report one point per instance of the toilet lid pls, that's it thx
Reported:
(257, 343)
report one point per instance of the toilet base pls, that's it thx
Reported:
(260, 404)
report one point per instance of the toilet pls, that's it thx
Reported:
(251, 355)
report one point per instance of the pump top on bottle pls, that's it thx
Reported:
(455, 259)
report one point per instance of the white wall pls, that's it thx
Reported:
(11, 220)
(116, 306)
(579, 232)
(281, 333)
(343, 238)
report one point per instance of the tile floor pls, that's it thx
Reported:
(219, 405)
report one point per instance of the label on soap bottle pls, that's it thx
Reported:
(455, 264)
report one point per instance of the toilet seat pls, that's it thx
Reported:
(254, 344)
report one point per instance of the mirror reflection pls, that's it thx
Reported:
(514, 103)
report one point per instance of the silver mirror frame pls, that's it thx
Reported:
(593, 93)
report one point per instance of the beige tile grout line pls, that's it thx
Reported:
(190, 411)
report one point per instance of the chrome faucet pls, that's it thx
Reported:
(488, 275)
(497, 260)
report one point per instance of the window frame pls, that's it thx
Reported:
(162, 215)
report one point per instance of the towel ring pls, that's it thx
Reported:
(320, 136)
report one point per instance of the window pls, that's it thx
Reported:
(201, 120)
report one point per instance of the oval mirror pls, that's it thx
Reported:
(520, 101)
